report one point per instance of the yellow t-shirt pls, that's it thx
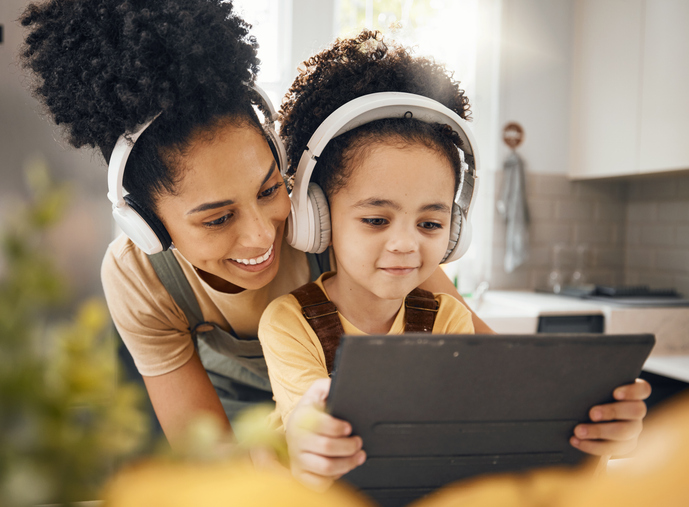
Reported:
(155, 329)
(294, 353)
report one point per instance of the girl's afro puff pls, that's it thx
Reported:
(106, 66)
(354, 67)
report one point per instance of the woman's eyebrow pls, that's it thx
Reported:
(219, 204)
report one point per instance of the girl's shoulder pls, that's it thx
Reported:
(452, 317)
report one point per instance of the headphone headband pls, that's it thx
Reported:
(365, 109)
(118, 162)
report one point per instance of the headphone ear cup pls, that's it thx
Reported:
(161, 234)
(320, 211)
(460, 235)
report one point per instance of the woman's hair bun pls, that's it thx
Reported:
(105, 66)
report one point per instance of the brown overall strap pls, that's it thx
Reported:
(322, 316)
(420, 309)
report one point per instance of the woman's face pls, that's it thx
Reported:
(227, 216)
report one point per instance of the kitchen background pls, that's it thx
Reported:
(598, 86)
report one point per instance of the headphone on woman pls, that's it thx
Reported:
(308, 225)
(140, 225)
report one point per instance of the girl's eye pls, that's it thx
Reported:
(271, 191)
(430, 226)
(375, 222)
(219, 221)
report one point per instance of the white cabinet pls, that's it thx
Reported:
(630, 107)
(664, 126)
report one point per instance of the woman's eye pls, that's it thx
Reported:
(219, 221)
(271, 191)
(430, 226)
(375, 222)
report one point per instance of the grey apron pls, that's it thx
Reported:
(236, 367)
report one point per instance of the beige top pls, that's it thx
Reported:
(155, 329)
(294, 353)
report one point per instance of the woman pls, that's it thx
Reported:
(202, 175)
(203, 172)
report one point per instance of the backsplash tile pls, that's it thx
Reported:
(658, 228)
(568, 213)
(637, 231)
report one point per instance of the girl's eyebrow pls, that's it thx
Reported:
(219, 204)
(374, 202)
(437, 206)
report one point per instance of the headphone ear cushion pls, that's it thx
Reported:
(460, 235)
(277, 148)
(318, 203)
(153, 222)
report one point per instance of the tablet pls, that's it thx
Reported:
(433, 409)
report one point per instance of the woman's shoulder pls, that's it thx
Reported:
(125, 266)
(152, 326)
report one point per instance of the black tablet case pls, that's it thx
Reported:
(433, 409)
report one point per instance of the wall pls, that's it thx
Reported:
(657, 233)
(570, 214)
(536, 71)
(79, 242)
(637, 230)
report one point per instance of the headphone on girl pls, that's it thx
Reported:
(140, 225)
(308, 225)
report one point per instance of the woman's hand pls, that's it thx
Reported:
(320, 446)
(616, 426)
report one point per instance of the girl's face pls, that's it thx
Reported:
(391, 220)
(227, 216)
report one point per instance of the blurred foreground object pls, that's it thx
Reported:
(218, 484)
(64, 421)
(655, 476)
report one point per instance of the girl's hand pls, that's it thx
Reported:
(616, 426)
(320, 446)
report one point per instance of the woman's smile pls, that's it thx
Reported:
(257, 263)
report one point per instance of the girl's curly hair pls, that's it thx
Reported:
(105, 66)
(348, 69)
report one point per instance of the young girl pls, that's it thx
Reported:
(389, 185)
(203, 176)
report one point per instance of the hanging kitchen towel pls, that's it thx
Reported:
(514, 211)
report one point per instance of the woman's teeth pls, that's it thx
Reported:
(256, 260)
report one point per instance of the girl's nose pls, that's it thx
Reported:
(403, 239)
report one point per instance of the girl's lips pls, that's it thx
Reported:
(399, 271)
(253, 268)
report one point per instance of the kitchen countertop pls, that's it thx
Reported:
(676, 367)
(517, 312)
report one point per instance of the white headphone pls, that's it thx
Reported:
(308, 226)
(142, 227)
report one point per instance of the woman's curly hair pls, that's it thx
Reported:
(104, 67)
(348, 69)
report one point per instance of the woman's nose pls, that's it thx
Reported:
(256, 229)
